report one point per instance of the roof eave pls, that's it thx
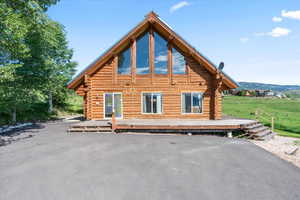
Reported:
(72, 84)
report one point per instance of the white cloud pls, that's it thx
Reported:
(291, 14)
(276, 19)
(278, 32)
(244, 40)
(178, 6)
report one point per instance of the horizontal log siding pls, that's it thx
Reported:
(197, 79)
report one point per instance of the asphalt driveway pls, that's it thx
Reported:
(56, 165)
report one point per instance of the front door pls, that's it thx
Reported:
(112, 103)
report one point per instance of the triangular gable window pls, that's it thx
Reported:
(124, 62)
(179, 66)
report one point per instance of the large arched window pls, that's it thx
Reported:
(142, 54)
(160, 54)
(124, 63)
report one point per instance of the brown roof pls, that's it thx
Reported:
(151, 19)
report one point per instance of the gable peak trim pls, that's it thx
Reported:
(151, 14)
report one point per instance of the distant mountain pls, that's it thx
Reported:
(264, 86)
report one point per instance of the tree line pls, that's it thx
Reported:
(35, 60)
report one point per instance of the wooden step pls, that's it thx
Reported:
(262, 133)
(76, 126)
(267, 137)
(257, 130)
(75, 130)
(244, 126)
(89, 130)
(257, 125)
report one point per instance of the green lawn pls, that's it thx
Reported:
(287, 133)
(285, 111)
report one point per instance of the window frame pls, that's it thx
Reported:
(147, 32)
(181, 102)
(168, 49)
(142, 103)
(150, 33)
(113, 93)
(129, 47)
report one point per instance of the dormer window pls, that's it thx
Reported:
(142, 54)
(124, 63)
(160, 54)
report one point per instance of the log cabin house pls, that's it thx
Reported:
(152, 73)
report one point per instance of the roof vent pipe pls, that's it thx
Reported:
(221, 66)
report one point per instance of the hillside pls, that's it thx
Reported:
(264, 86)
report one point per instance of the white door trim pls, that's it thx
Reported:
(113, 103)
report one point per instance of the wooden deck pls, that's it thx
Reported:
(165, 125)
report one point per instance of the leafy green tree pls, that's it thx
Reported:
(35, 61)
(50, 63)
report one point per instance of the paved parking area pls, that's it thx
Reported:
(56, 165)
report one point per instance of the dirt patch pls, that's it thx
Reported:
(286, 148)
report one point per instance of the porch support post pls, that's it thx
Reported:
(215, 105)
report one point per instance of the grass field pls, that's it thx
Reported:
(286, 112)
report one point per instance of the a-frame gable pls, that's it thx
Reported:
(166, 32)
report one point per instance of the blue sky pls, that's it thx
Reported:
(259, 40)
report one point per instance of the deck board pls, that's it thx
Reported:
(170, 124)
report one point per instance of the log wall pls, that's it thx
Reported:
(197, 79)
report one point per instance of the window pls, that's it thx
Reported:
(112, 103)
(191, 102)
(142, 54)
(124, 64)
(152, 103)
(178, 62)
(160, 54)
